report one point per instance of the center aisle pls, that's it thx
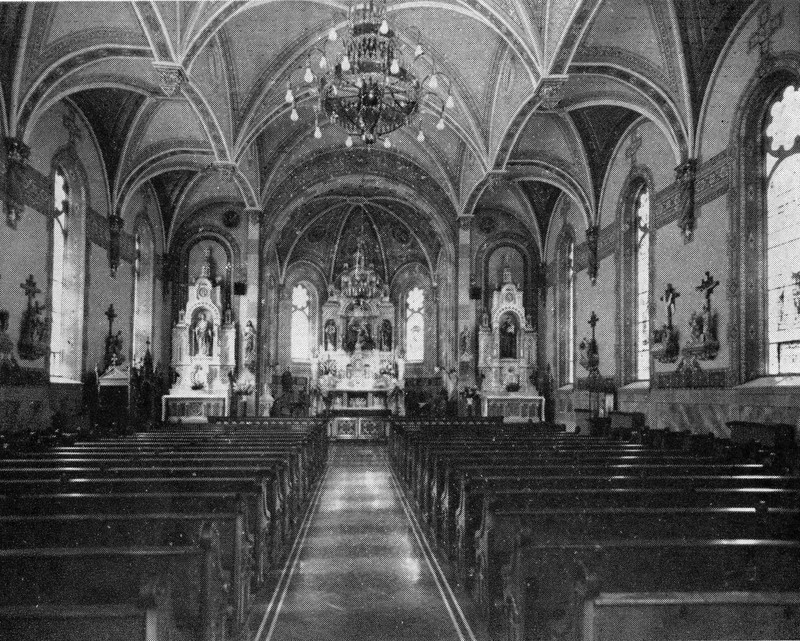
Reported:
(360, 569)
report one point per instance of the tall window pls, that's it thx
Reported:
(142, 291)
(782, 165)
(565, 321)
(58, 339)
(641, 237)
(415, 326)
(301, 324)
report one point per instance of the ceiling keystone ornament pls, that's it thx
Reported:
(170, 77)
(363, 80)
(550, 92)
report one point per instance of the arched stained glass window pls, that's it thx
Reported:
(61, 205)
(641, 237)
(782, 165)
(565, 310)
(415, 326)
(142, 291)
(301, 324)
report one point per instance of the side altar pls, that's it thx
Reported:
(357, 370)
(507, 358)
(203, 354)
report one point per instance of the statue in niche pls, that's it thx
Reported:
(249, 340)
(202, 333)
(331, 335)
(345, 286)
(508, 337)
(463, 341)
(386, 335)
(359, 336)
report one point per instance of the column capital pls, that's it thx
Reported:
(253, 214)
(465, 221)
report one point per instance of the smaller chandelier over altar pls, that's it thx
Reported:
(364, 82)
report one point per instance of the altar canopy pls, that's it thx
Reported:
(358, 371)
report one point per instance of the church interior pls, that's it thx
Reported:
(385, 319)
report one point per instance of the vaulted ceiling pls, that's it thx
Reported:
(541, 87)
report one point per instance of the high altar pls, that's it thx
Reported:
(203, 354)
(357, 373)
(507, 358)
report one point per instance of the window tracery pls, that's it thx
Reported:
(415, 325)
(300, 341)
(782, 195)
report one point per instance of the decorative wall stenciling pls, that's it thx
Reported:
(17, 157)
(686, 174)
(592, 237)
(115, 224)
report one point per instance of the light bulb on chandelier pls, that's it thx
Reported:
(372, 90)
(294, 116)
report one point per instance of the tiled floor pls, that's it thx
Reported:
(359, 571)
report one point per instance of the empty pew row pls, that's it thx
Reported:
(185, 524)
(512, 509)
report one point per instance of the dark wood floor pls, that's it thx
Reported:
(360, 569)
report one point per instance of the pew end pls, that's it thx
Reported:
(713, 616)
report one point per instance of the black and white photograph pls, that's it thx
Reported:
(400, 320)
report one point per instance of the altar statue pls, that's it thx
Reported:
(202, 336)
(386, 336)
(508, 337)
(330, 335)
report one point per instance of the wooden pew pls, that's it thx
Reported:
(145, 529)
(559, 590)
(506, 513)
(179, 588)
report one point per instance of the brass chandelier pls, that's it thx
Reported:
(369, 91)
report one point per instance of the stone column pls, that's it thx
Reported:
(248, 304)
(466, 308)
